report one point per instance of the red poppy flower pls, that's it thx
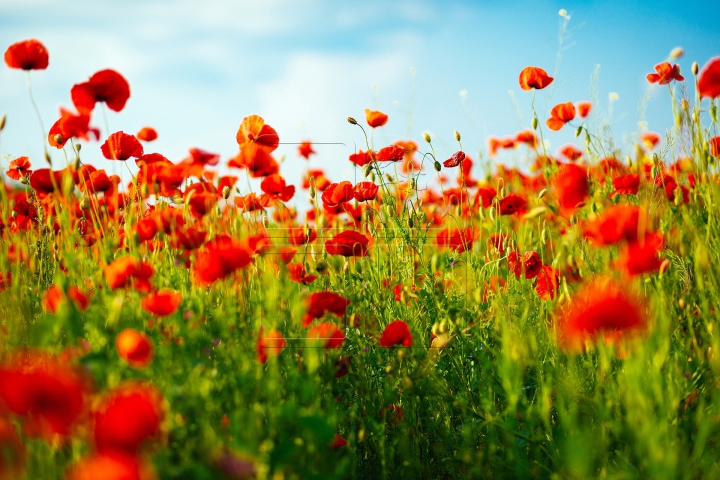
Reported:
(484, 196)
(121, 146)
(251, 202)
(547, 283)
(111, 466)
(220, 258)
(527, 137)
(626, 184)
(271, 343)
(44, 182)
(327, 334)
(616, 223)
(709, 79)
(534, 77)
(460, 240)
(528, 265)
(301, 235)
(375, 118)
(55, 296)
(50, 396)
(147, 134)
(338, 442)
(256, 157)
(305, 149)
(642, 255)
(105, 86)
(162, 303)
(583, 109)
(511, 204)
(714, 146)
(19, 168)
(494, 144)
(666, 73)
(570, 186)
(571, 152)
(27, 55)
(136, 348)
(599, 307)
(287, 254)
(393, 153)
(275, 187)
(561, 114)
(298, 274)
(455, 160)
(321, 303)
(253, 130)
(71, 126)
(348, 244)
(361, 158)
(396, 333)
(649, 140)
(337, 193)
(365, 191)
(129, 271)
(127, 417)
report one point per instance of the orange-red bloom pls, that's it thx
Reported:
(136, 348)
(253, 130)
(529, 265)
(27, 55)
(328, 334)
(220, 258)
(162, 303)
(666, 73)
(615, 224)
(460, 240)
(305, 149)
(55, 296)
(105, 86)
(602, 306)
(19, 168)
(128, 271)
(271, 343)
(147, 134)
(396, 333)
(561, 114)
(534, 77)
(321, 303)
(275, 188)
(348, 244)
(365, 191)
(375, 118)
(127, 417)
(709, 79)
(570, 186)
(626, 184)
(298, 274)
(50, 396)
(121, 146)
(583, 109)
(642, 255)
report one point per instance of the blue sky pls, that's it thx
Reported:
(197, 68)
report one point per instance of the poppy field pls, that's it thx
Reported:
(443, 315)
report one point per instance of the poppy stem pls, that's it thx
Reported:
(37, 113)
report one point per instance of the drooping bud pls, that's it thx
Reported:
(426, 137)
(352, 121)
(367, 169)
(437, 166)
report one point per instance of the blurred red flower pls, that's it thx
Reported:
(328, 334)
(534, 77)
(375, 118)
(709, 79)
(561, 114)
(529, 265)
(162, 303)
(348, 244)
(570, 186)
(121, 146)
(271, 343)
(27, 55)
(147, 134)
(305, 149)
(321, 303)
(136, 348)
(666, 73)
(397, 332)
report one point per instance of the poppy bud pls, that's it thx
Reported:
(457, 135)
(534, 123)
(24, 180)
(578, 131)
(684, 104)
(413, 183)
(714, 113)
(352, 121)
(426, 137)
(372, 176)
(47, 158)
(322, 221)
(676, 53)
(312, 191)
(437, 166)
(84, 204)
(367, 169)
(491, 212)
(410, 222)
(542, 193)
(226, 192)
(664, 266)
(543, 236)
(2, 122)
(78, 147)
(389, 178)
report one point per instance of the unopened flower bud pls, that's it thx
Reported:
(695, 68)
(714, 113)
(542, 193)
(312, 191)
(226, 192)
(578, 131)
(2, 122)
(47, 157)
(367, 169)
(352, 121)
(684, 104)
(85, 204)
(534, 123)
(78, 147)
(426, 137)
(437, 166)
(389, 178)
(457, 135)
